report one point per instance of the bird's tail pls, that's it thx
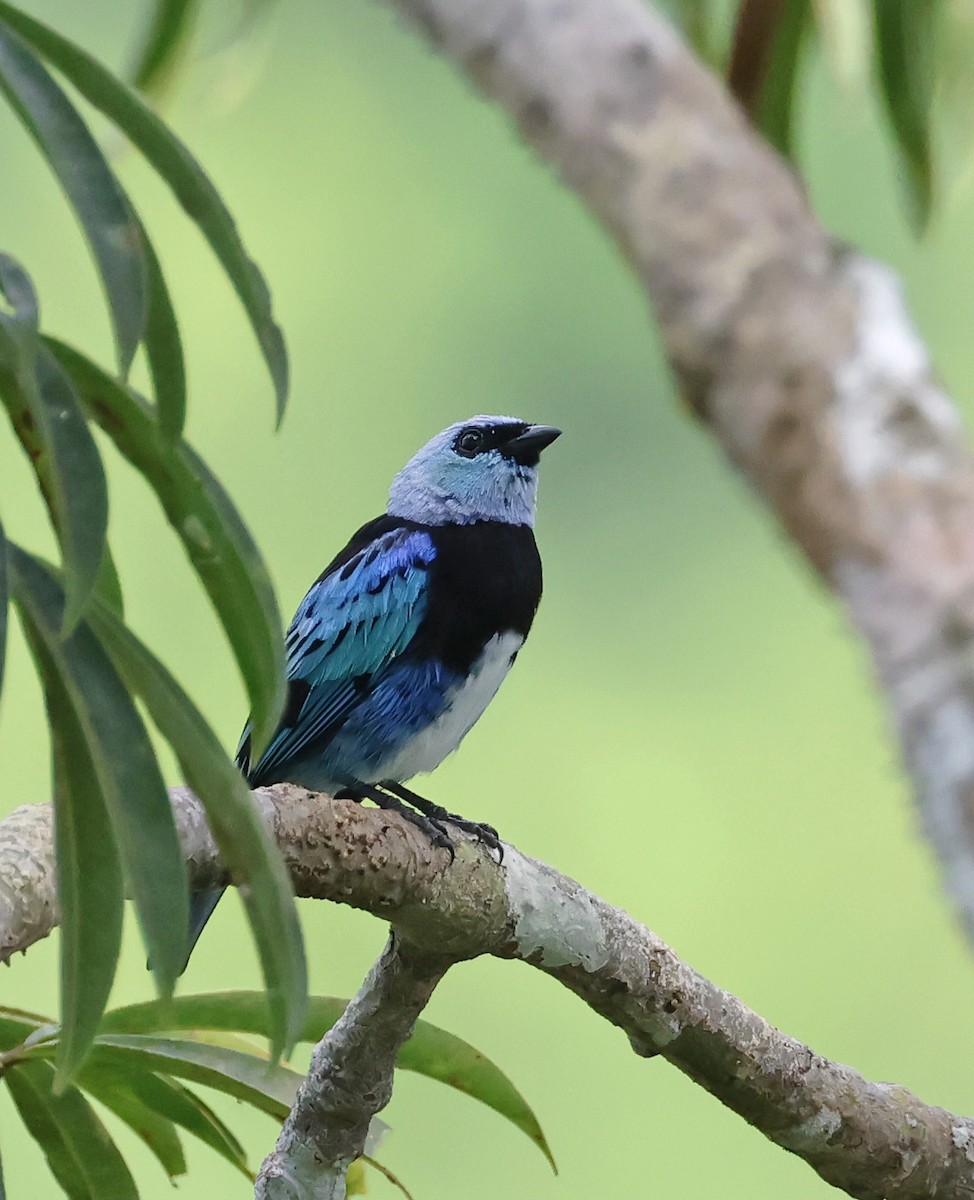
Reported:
(201, 906)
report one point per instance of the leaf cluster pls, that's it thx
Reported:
(145, 1057)
(115, 834)
(114, 831)
(761, 46)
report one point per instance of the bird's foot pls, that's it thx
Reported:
(431, 826)
(439, 816)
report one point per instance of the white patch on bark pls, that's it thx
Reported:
(658, 1029)
(944, 760)
(565, 927)
(812, 1133)
(887, 403)
(934, 716)
(963, 1139)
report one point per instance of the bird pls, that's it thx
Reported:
(404, 638)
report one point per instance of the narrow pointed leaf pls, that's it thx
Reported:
(164, 350)
(124, 763)
(17, 288)
(178, 1105)
(108, 586)
(16, 1027)
(70, 473)
(215, 538)
(81, 1154)
(127, 1103)
(430, 1051)
(44, 411)
(164, 1096)
(88, 182)
(905, 57)
(19, 334)
(168, 33)
(261, 1084)
(775, 110)
(356, 1178)
(175, 165)
(253, 862)
(23, 1015)
(89, 874)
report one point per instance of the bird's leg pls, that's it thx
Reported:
(484, 833)
(429, 824)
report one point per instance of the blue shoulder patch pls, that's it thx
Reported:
(354, 621)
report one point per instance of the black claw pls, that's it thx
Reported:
(432, 827)
(437, 815)
(483, 833)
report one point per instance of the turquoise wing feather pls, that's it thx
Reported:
(359, 616)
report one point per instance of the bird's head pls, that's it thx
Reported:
(484, 469)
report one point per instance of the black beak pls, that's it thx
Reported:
(526, 447)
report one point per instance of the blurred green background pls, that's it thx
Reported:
(692, 730)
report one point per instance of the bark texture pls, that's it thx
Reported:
(349, 1081)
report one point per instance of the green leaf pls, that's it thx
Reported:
(109, 587)
(46, 416)
(22, 1018)
(127, 1103)
(89, 874)
(52, 429)
(16, 286)
(89, 184)
(167, 35)
(263, 1085)
(173, 162)
(844, 29)
(81, 1154)
(180, 1106)
(215, 538)
(775, 109)
(164, 350)
(252, 860)
(17, 1027)
(430, 1051)
(124, 763)
(905, 44)
(356, 1180)
(19, 336)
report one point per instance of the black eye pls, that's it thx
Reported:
(469, 442)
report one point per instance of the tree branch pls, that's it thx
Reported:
(873, 1140)
(349, 1081)
(795, 350)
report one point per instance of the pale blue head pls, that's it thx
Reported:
(484, 469)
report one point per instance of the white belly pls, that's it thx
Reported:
(428, 749)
